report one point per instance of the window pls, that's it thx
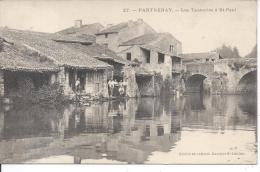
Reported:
(106, 35)
(146, 54)
(128, 56)
(171, 48)
(147, 131)
(160, 131)
(148, 58)
(160, 58)
(207, 60)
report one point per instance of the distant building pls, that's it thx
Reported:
(113, 35)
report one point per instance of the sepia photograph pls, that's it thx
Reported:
(128, 82)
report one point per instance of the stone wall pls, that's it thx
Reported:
(111, 40)
(137, 53)
(134, 29)
(232, 76)
(130, 79)
(200, 68)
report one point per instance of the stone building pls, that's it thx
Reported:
(23, 71)
(155, 52)
(157, 55)
(113, 35)
(73, 64)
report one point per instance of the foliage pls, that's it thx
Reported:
(236, 66)
(253, 53)
(228, 52)
(47, 94)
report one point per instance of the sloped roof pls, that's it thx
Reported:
(16, 57)
(61, 54)
(147, 39)
(141, 40)
(203, 55)
(98, 51)
(89, 29)
(114, 28)
(83, 39)
(150, 42)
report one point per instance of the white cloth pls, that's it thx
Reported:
(77, 83)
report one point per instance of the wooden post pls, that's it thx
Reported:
(2, 86)
(153, 83)
(105, 86)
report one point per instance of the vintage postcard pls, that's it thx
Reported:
(128, 82)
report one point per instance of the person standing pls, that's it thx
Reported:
(121, 89)
(77, 85)
(111, 87)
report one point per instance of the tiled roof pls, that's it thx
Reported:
(152, 38)
(61, 54)
(141, 40)
(84, 39)
(150, 42)
(89, 29)
(16, 57)
(97, 51)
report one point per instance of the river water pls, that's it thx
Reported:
(193, 129)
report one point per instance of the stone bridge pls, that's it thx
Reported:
(225, 76)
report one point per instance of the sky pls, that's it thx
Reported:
(199, 31)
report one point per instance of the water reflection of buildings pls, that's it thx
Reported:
(127, 131)
(120, 130)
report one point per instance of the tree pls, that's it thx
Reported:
(228, 52)
(253, 53)
(1, 44)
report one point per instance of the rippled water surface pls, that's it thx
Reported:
(192, 129)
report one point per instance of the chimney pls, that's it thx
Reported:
(78, 23)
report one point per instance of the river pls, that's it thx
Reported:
(193, 129)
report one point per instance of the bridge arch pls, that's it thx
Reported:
(194, 83)
(247, 82)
